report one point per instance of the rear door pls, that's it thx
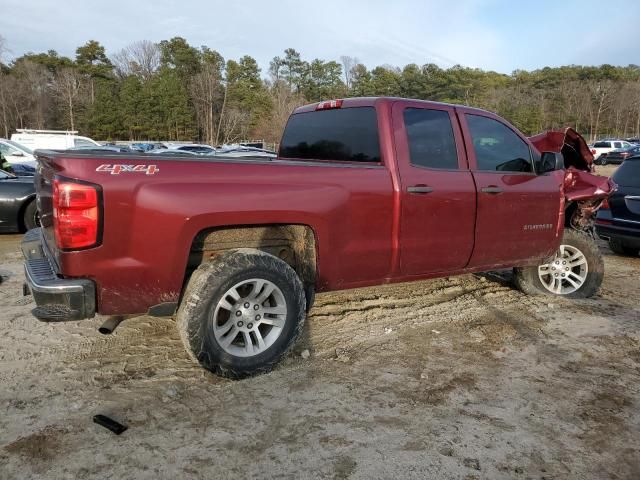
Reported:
(438, 193)
(625, 202)
(519, 213)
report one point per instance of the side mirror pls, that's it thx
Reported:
(549, 162)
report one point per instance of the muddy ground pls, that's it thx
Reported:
(453, 378)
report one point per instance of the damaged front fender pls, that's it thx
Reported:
(583, 190)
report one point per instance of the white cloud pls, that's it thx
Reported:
(376, 31)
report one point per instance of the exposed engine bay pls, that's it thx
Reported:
(584, 191)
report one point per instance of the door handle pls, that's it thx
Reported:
(419, 189)
(492, 189)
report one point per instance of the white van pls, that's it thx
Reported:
(51, 139)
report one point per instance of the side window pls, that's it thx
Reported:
(430, 138)
(7, 150)
(497, 147)
(617, 144)
(81, 142)
(344, 134)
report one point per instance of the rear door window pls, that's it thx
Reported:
(617, 144)
(343, 134)
(628, 174)
(601, 145)
(430, 138)
(497, 147)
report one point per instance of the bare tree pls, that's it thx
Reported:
(348, 66)
(3, 93)
(67, 87)
(234, 125)
(140, 58)
(208, 95)
(283, 102)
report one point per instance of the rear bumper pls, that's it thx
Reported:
(57, 299)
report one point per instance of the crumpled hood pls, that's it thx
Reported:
(580, 182)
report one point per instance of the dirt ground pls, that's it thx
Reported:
(455, 378)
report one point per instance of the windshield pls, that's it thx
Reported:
(20, 147)
(4, 175)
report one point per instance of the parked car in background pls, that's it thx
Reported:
(633, 140)
(14, 152)
(18, 211)
(194, 148)
(51, 139)
(172, 152)
(618, 220)
(102, 148)
(239, 151)
(606, 146)
(620, 155)
(146, 146)
(23, 170)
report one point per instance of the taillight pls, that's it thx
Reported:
(605, 204)
(76, 215)
(593, 151)
(329, 104)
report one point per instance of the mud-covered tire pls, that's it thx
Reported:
(204, 292)
(30, 216)
(528, 280)
(619, 248)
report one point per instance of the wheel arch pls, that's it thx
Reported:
(295, 244)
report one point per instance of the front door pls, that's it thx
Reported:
(519, 213)
(438, 199)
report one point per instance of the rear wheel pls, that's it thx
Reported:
(31, 219)
(618, 247)
(575, 271)
(241, 313)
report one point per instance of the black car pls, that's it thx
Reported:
(619, 155)
(18, 211)
(618, 221)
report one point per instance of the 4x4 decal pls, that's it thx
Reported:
(116, 169)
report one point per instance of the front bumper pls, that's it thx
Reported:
(57, 299)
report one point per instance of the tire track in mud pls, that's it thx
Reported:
(338, 320)
(342, 320)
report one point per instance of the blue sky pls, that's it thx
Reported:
(490, 34)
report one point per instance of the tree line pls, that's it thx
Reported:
(175, 91)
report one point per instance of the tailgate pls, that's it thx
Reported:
(44, 198)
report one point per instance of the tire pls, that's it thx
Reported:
(583, 261)
(30, 217)
(603, 161)
(210, 305)
(618, 247)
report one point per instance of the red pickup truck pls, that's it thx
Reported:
(364, 191)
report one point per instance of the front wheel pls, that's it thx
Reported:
(241, 313)
(575, 271)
